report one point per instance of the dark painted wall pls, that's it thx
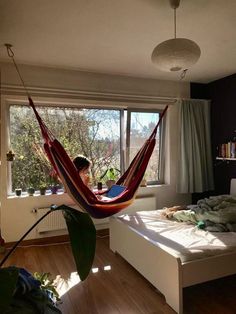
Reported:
(223, 124)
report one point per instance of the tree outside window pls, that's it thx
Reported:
(90, 132)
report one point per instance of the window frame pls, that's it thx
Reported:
(161, 142)
(80, 104)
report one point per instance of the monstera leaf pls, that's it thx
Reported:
(82, 235)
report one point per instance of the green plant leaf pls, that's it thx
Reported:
(8, 279)
(47, 283)
(82, 235)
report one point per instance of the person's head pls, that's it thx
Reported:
(82, 164)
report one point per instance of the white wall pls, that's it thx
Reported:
(74, 86)
(91, 82)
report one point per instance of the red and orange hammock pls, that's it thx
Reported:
(70, 177)
(79, 192)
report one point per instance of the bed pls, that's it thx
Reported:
(173, 255)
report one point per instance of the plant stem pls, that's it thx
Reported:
(18, 242)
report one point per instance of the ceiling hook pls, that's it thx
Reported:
(9, 50)
(174, 4)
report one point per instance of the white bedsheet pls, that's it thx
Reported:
(180, 239)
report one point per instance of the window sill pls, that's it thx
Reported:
(36, 194)
(153, 186)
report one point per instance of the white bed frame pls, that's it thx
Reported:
(165, 271)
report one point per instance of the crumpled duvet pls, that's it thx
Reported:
(217, 213)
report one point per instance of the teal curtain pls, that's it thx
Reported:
(195, 171)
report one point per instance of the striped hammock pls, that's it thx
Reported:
(80, 192)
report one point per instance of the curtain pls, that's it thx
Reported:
(195, 170)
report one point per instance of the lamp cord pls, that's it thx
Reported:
(183, 73)
(175, 22)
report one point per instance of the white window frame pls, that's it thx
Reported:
(8, 100)
(161, 144)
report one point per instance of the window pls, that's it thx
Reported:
(141, 126)
(99, 134)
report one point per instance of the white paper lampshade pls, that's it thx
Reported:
(176, 54)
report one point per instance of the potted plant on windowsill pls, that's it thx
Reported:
(31, 191)
(18, 192)
(54, 183)
(43, 188)
(110, 176)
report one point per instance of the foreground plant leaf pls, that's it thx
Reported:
(8, 279)
(82, 235)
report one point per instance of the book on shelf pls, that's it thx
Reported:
(227, 150)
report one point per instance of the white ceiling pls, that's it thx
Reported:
(117, 37)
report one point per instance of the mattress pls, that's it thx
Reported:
(180, 239)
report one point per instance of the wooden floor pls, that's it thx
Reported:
(115, 287)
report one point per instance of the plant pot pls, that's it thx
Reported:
(43, 191)
(54, 189)
(18, 192)
(109, 183)
(31, 191)
(99, 186)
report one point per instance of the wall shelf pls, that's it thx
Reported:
(222, 158)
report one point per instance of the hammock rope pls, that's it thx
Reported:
(66, 170)
(11, 55)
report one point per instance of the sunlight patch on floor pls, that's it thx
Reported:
(108, 267)
(64, 285)
(96, 269)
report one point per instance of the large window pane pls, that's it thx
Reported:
(141, 126)
(94, 133)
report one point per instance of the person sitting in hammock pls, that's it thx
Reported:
(83, 164)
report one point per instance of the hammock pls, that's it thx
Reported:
(71, 179)
(80, 192)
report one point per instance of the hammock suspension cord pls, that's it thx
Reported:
(46, 132)
(11, 55)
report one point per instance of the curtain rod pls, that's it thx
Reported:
(93, 95)
(193, 99)
(119, 97)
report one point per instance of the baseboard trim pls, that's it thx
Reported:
(54, 239)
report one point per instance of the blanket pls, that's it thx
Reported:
(217, 213)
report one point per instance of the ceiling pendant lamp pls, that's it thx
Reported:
(177, 54)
